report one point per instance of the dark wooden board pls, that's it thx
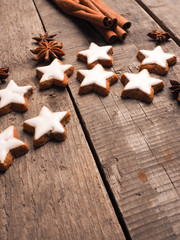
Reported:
(166, 13)
(55, 191)
(137, 144)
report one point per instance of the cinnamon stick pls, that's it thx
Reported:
(69, 6)
(112, 36)
(106, 21)
(107, 11)
(121, 33)
(109, 23)
(89, 4)
(109, 35)
(86, 13)
(93, 18)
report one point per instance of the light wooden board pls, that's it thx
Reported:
(137, 144)
(166, 13)
(55, 191)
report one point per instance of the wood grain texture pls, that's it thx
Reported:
(166, 13)
(55, 191)
(137, 144)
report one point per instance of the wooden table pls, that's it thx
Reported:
(117, 175)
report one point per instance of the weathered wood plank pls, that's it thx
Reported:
(53, 192)
(137, 144)
(166, 13)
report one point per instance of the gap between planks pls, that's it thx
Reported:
(158, 21)
(100, 169)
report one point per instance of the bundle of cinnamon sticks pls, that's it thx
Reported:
(108, 23)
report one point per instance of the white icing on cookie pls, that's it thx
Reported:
(53, 71)
(95, 53)
(13, 94)
(97, 76)
(8, 142)
(141, 81)
(157, 56)
(46, 122)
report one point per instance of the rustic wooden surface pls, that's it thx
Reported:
(166, 13)
(137, 144)
(53, 192)
(56, 191)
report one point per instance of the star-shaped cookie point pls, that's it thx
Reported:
(96, 54)
(54, 74)
(140, 86)
(10, 147)
(156, 61)
(14, 98)
(47, 125)
(96, 79)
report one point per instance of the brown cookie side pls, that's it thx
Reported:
(172, 61)
(158, 87)
(140, 56)
(7, 163)
(82, 57)
(62, 136)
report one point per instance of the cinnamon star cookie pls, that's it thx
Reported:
(14, 98)
(56, 73)
(47, 125)
(140, 86)
(96, 54)
(96, 79)
(156, 61)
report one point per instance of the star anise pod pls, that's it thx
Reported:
(47, 50)
(45, 38)
(159, 37)
(175, 89)
(3, 74)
